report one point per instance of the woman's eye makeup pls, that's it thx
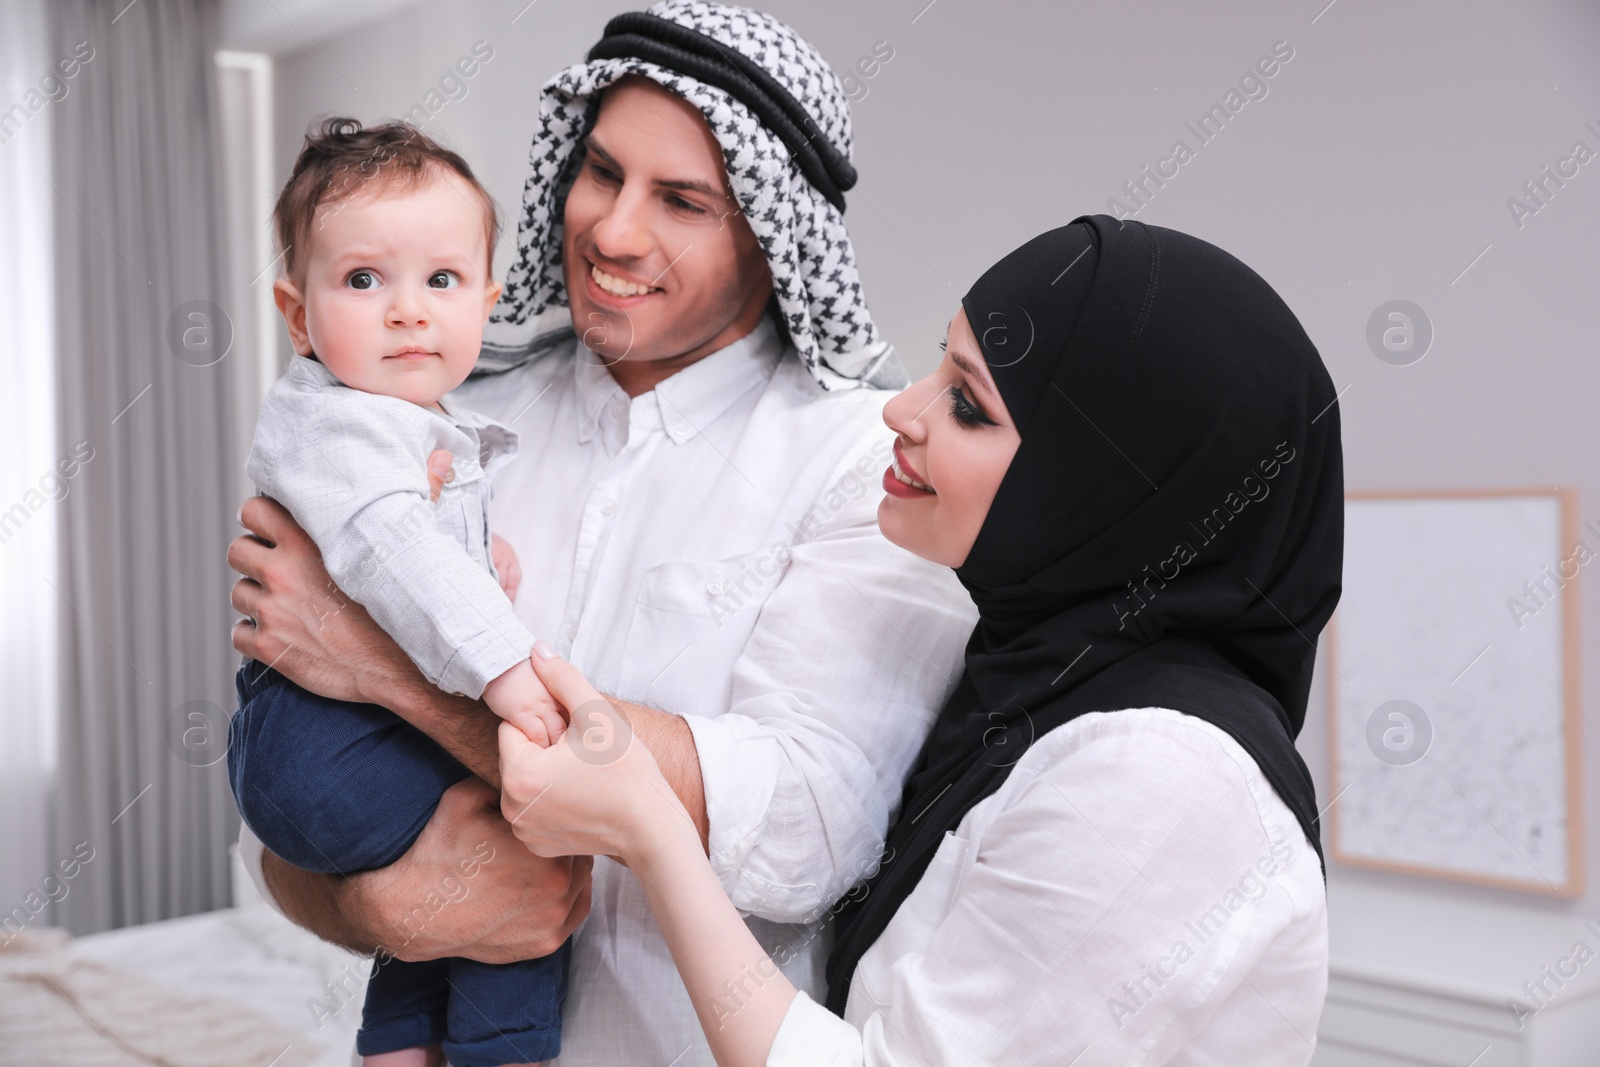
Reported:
(362, 279)
(962, 408)
(964, 411)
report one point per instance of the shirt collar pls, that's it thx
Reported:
(311, 372)
(597, 390)
(695, 396)
(492, 437)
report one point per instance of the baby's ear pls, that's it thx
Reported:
(293, 308)
(491, 294)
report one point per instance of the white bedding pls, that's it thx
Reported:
(243, 974)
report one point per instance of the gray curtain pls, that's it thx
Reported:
(145, 381)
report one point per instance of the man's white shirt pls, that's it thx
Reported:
(711, 548)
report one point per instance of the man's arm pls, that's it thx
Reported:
(523, 906)
(299, 621)
(467, 729)
(318, 902)
(849, 659)
(463, 727)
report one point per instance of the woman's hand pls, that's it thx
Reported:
(597, 790)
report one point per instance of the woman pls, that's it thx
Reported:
(1108, 849)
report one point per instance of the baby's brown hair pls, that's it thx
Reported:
(340, 159)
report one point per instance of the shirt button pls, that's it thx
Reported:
(716, 586)
(680, 432)
(588, 426)
(608, 507)
(572, 630)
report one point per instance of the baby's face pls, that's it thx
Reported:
(396, 289)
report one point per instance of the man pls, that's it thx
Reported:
(693, 372)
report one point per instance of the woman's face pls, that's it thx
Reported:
(955, 442)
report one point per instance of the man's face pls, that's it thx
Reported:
(661, 267)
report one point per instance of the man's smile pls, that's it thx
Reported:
(620, 290)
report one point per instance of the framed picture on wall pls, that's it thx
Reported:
(1454, 687)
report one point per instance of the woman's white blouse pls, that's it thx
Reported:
(1134, 893)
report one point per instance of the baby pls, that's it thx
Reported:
(388, 242)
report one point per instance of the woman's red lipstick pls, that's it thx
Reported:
(895, 487)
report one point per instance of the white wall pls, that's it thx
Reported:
(1377, 167)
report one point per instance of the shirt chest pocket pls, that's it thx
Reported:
(692, 620)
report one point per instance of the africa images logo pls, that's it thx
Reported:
(1252, 85)
(1251, 489)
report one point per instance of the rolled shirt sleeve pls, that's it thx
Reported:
(804, 772)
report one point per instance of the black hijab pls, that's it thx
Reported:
(1170, 532)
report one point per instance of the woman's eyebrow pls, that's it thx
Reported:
(971, 371)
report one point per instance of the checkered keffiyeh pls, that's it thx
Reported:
(814, 277)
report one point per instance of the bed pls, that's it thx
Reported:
(241, 985)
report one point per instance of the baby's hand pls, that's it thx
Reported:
(519, 698)
(505, 565)
(439, 466)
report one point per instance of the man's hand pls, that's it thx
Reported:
(521, 907)
(298, 621)
(467, 887)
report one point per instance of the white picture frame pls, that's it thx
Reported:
(1453, 687)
